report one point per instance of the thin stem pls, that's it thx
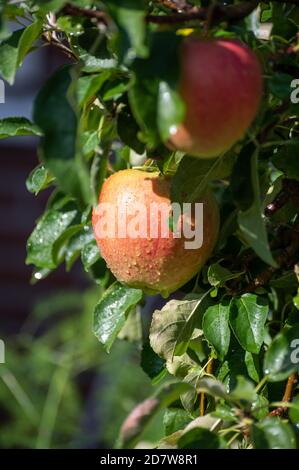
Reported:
(261, 384)
(287, 396)
(233, 438)
(209, 367)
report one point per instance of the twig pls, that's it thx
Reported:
(169, 4)
(290, 190)
(230, 13)
(287, 397)
(278, 202)
(54, 42)
(210, 366)
(73, 10)
(221, 13)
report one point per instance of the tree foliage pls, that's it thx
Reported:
(230, 340)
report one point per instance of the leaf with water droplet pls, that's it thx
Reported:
(111, 311)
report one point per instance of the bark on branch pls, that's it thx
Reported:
(230, 13)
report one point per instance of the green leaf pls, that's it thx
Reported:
(251, 221)
(50, 5)
(260, 407)
(54, 114)
(244, 390)
(248, 315)
(180, 366)
(153, 96)
(171, 391)
(280, 85)
(114, 88)
(151, 363)
(282, 24)
(38, 179)
(288, 280)
(194, 175)
(13, 126)
(129, 15)
(47, 231)
(92, 49)
(216, 327)
(15, 48)
(253, 366)
(76, 245)
(173, 327)
(3, 21)
(171, 110)
(90, 254)
(286, 160)
(128, 130)
(9, 56)
(27, 39)
(282, 356)
(110, 312)
(60, 245)
(218, 276)
(89, 85)
(212, 387)
(272, 433)
(132, 329)
(175, 419)
(233, 366)
(294, 410)
(199, 438)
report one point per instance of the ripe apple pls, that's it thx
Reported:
(155, 264)
(221, 85)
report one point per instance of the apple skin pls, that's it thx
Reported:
(156, 265)
(221, 84)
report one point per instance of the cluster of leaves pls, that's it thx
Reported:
(230, 341)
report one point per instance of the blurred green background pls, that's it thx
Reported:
(59, 389)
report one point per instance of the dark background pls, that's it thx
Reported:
(18, 208)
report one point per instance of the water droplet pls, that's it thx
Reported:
(38, 275)
(266, 371)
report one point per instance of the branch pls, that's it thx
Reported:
(287, 397)
(170, 4)
(59, 45)
(73, 10)
(220, 13)
(290, 191)
(230, 13)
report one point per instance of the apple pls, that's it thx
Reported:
(221, 86)
(156, 263)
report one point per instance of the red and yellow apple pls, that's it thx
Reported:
(154, 264)
(221, 86)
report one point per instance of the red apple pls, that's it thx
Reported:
(221, 85)
(155, 264)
